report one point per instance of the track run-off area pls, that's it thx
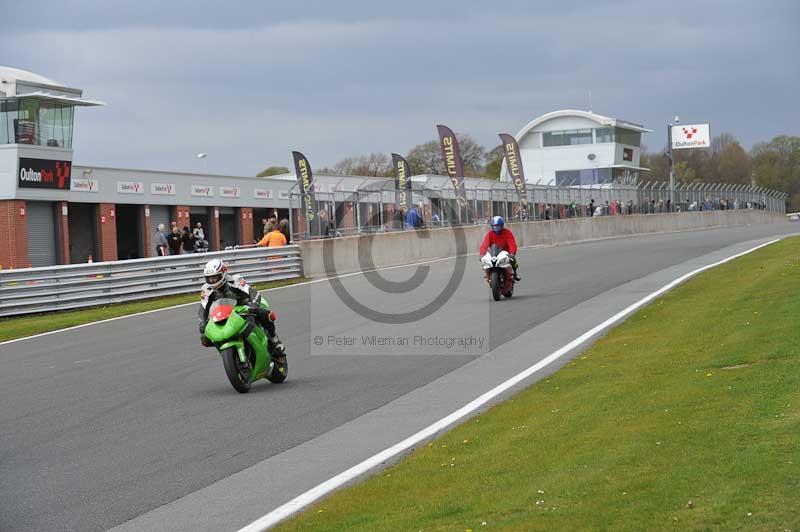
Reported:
(132, 424)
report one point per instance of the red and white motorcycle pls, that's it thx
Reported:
(499, 272)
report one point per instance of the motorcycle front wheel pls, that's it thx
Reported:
(510, 289)
(239, 378)
(495, 282)
(279, 372)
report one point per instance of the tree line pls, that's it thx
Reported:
(423, 158)
(774, 164)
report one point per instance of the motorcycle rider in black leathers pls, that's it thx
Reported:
(217, 286)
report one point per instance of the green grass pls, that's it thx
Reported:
(19, 327)
(694, 398)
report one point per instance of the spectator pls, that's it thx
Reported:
(326, 227)
(414, 219)
(161, 241)
(200, 236)
(283, 227)
(397, 219)
(187, 240)
(174, 241)
(591, 207)
(263, 226)
(274, 238)
(198, 232)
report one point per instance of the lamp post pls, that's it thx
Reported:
(204, 158)
(669, 156)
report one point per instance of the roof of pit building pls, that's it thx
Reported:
(16, 83)
(602, 120)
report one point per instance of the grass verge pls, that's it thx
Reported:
(685, 417)
(21, 326)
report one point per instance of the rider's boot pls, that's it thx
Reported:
(276, 347)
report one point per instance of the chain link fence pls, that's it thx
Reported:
(358, 205)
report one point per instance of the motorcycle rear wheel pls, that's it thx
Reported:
(233, 369)
(495, 283)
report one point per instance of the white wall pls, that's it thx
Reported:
(541, 163)
(8, 171)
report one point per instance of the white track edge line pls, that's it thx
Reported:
(301, 501)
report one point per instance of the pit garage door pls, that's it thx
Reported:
(228, 228)
(41, 224)
(82, 232)
(159, 214)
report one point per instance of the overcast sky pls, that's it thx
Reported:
(247, 82)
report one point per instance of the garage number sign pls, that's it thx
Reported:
(44, 173)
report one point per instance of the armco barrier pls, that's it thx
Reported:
(84, 285)
(404, 247)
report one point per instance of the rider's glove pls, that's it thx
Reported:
(257, 310)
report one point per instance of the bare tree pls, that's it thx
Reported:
(374, 165)
(427, 158)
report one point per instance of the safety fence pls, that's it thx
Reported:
(369, 205)
(33, 290)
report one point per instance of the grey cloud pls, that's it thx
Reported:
(371, 78)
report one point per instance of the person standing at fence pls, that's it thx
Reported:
(591, 207)
(174, 241)
(200, 237)
(162, 246)
(414, 218)
(187, 240)
(273, 239)
(283, 227)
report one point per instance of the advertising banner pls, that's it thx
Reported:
(85, 185)
(263, 193)
(130, 187)
(402, 182)
(514, 166)
(44, 173)
(305, 181)
(205, 191)
(230, 192)
(162, 189)
(691, 136)
(452, 162)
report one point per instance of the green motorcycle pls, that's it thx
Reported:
(242, 344)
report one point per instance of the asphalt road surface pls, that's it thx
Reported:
(105, 423)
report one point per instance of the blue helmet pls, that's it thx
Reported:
(497, 224)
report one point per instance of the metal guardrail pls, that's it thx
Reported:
(73, 286)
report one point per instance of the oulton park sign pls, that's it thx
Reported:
(44, 173)
(691, 136)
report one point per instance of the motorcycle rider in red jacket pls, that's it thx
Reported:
(504, 240)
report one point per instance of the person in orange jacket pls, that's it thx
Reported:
(273, 238)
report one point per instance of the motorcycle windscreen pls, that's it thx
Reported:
(221, 309)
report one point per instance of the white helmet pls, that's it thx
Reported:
(216, 273)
